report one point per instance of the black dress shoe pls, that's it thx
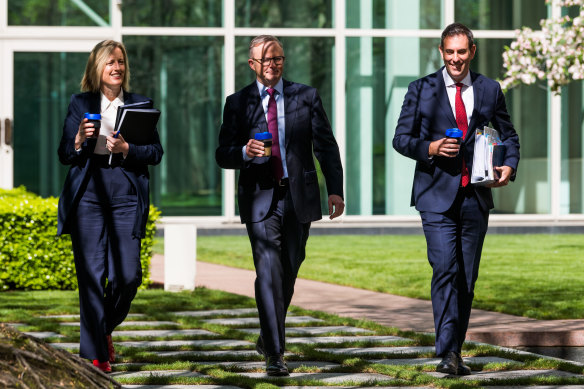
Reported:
(275, 366)
(448, 364)
(260, 346)
(463, 368)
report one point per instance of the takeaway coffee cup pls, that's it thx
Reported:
(454, 133)
(265, 137)
(94, 118)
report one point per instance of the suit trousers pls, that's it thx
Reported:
(454, 243)
(107, 256)
(278, 246)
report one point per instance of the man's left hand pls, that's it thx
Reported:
(336, 202)
(505, 173)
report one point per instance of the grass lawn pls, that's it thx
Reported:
(28, 309)
(538, 276)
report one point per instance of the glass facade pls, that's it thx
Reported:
(58, 13)
(192, 55)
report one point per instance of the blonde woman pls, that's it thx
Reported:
(104, 205)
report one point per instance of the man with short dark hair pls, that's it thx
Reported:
(278, 194)
(454, 212)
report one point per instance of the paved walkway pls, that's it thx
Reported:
(390, 310)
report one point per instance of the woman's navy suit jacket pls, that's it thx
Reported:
(135, 165)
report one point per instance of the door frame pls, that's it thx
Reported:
(7, 49)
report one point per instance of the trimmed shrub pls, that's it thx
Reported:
(32, 256)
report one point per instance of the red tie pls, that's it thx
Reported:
(273, 129)
(461, 122)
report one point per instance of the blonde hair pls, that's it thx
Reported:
(98, 57)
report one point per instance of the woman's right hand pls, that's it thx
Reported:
(86, 130)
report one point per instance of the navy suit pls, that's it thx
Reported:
(455, 219)
(105, 209)
(278, 218)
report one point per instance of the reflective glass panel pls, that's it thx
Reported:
(500, 14)
(184, 77)
(528, 107)
(58, 13)
(308, 61)
(423, 14)
(45, 83)
(379, 180)
(172, 13)
(284, 13)
(572, 193)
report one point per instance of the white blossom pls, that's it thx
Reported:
(555, 54)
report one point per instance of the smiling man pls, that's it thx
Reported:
(278, 195)
(454, 212)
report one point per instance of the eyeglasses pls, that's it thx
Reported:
(266, 61)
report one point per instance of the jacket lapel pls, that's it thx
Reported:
(442, 97)
(290, 104)
(254, 110)
(478, 92)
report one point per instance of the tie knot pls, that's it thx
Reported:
(270, 91)
(459, 85)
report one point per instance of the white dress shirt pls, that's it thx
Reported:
(467, 93)
(109, 110)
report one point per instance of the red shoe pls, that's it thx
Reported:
(103, 366)
(110, 349)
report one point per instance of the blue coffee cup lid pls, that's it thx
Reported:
(454, 133)
(92, 116)
(263, 136)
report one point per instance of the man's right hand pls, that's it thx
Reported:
(445, 147)
(254, 148)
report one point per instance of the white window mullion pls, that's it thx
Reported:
(228, 200)
(339, 72)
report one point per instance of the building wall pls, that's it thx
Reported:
(188, 55)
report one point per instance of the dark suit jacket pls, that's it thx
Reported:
(426, 114)
(135, 166)
(307, 130)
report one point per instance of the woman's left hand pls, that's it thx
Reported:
(117, 145)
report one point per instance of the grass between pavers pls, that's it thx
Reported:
(533, 275)
(159, 305)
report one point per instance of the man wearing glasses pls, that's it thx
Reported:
(278, 191)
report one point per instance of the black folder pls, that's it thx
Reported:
(137, 122)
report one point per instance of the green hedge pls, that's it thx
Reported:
(32, 256)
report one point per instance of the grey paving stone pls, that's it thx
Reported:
(435, 361)
(500, 375)
(341, 339)
(156, 373)
(145, 333)
(196, 343)
(43, 334)
(15, 325)
(312, 330)
(76, 316)
(327, 377)
(255, 320)
(177, 386)
(379, 350)
(168, 343)
(212, 353)
(152, 323)
(217, 312)
(262, 365)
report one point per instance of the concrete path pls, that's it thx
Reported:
(390, 310)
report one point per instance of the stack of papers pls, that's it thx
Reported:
(487, 145)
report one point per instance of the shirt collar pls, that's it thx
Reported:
(105, 103)
(262, 88)
(448, 81)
